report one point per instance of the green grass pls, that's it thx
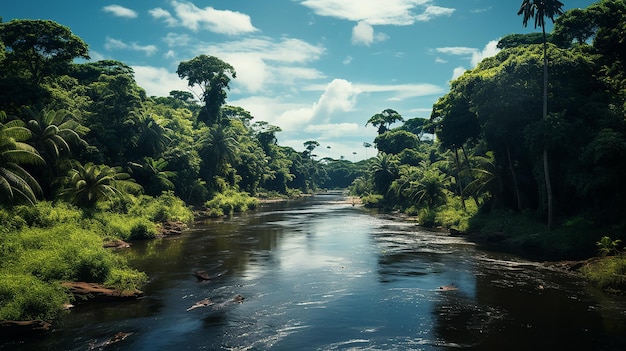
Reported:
(609, 272)
(230, 202)
(49, 243)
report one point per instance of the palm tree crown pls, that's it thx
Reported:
(16, 184)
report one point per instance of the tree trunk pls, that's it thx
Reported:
(546, 170)
(515, 187)
(458, 176)
(469, 169)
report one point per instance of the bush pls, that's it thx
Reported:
(124, 226)
(46, 214)
(427, 217)
(125, 279)
(24, 297)
(372, 200)
(230, 202)
(609, 273)
(164, 208)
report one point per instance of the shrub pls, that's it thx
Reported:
(609, 273)
(427, 217)
(164, 208)
(46, 214)
(124, 226)
(231, 201)
(372, 200)
(143, 229)
(24, 297)
(125, 279)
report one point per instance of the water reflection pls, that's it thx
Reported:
(320, 274)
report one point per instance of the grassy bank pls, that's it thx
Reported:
(43, 245)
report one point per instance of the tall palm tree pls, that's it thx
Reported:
(16, 184)
(384, 169)
(540, 10)
(219, 149)
(430, 189)
(89, 184)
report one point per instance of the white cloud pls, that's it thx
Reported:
(332, 129)
(434, 11)
(115, 44)
(158, 81)
(396, 92)
(456, 50)
(166, 16)
(340, 95)
(491, 49)
(262, 61)
(208, 18)
(473, 54)
(347, 60)
(120, 11)
(363, 33)
(392, 12)
(457, 72)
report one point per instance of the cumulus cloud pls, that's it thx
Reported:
(120, 11)
(433, 12)
(368, 14)
(263, 61)
(491, 49)
(395, 92)
(158, 81)
(189, 16)
(164, 15)
(474, 55)
(457, 72)
(392, 12)
(115, 44)
(363, 33)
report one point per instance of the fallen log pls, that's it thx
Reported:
(97, 292)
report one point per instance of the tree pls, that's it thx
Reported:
(218, 150)
(366, 145)
(310, 145)
(384, 170)
(384, 119)
(152, 175)
(212, 75)
(16, 184)
(395, 141)
(89, 184)
(53, 132)
(540, 10)
(40, 47)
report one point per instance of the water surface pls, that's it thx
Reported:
(321, 274)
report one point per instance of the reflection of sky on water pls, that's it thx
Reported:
(321, 274)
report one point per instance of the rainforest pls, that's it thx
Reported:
(87, 158)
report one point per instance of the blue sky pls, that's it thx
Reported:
(318, 69)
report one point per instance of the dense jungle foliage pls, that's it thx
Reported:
(86, 156)
(494, 146)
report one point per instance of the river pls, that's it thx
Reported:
(321, 274)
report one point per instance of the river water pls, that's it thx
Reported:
(321, 274)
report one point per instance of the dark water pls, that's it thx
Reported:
(320, 274)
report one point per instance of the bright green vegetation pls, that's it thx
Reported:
(529, 145)
(86, 157)
(45, 244)
(609, 272)
(527, 149)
